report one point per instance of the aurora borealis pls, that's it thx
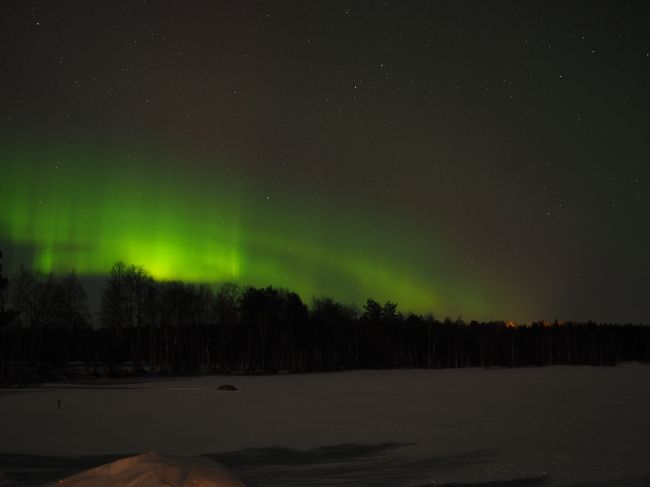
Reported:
(487, 159)
(206, 231)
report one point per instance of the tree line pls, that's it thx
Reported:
(171, 327)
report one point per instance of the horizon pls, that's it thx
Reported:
(95, 285)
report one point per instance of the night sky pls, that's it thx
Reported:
(483, 159)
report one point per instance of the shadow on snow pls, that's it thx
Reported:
(347, 464)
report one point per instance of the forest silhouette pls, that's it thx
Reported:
(172, 327)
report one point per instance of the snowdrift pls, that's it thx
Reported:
(154, 470)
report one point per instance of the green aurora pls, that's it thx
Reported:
(84, 209)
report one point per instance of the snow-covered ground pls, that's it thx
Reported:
(552, 426)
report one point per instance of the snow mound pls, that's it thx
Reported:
(154, 470)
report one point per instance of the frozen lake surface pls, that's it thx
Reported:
(551, 426)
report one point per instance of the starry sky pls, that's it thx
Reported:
(489, 160)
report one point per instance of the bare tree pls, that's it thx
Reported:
(34, 297)
(71, 307)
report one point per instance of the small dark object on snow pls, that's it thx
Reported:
(227, 387)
